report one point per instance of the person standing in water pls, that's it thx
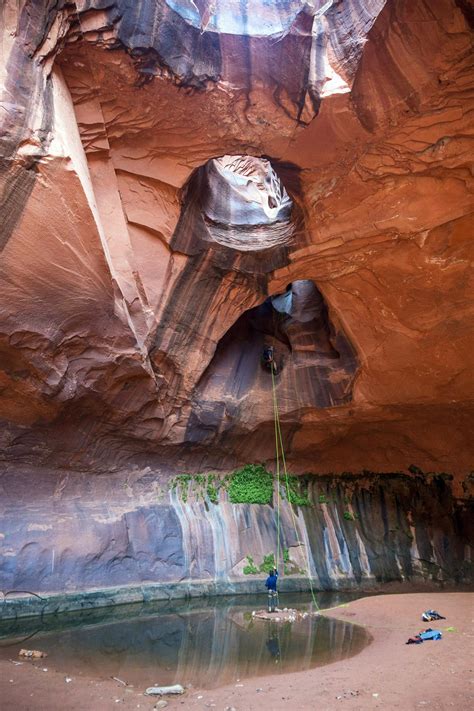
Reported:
(271, 585)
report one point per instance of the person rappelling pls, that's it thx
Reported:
(268, 358)
(271, 585)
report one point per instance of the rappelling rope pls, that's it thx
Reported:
(277, 449)
(280, 450)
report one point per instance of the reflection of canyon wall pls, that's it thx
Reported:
(205, 647)
(120, 300)
(77, 532)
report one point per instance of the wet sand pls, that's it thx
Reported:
(387, 674)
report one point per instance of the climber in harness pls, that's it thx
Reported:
(268, 358)
(271, 585)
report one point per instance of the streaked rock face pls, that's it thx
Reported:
(183, 183)
(76, 532)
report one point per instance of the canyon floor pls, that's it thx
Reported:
(385, 675)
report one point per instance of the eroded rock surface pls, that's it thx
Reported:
(173, 173)
(78, 532)
(119, 287)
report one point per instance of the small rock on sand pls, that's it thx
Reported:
(31, 654)
(164, 690)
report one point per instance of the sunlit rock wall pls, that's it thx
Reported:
(122, 282)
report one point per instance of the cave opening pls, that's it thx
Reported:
(253, 18)
(237, 206)
(238, 202)
(315, 361)
(253, 187)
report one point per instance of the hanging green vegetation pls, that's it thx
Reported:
(199, 486)
(181, 484)
(297, 491)
(212, 490)
(250, 568)
(268, 563)
(253, 484)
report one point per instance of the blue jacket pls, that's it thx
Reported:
(271, 582)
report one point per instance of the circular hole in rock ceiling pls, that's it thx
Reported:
(253, 191)
(237, 201)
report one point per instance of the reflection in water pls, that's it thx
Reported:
(273, 641)
(189, 644)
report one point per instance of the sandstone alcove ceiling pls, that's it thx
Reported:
(116, 312)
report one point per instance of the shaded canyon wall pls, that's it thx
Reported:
(78, 533)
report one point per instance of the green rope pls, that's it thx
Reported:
(280, 448)
(275, 412)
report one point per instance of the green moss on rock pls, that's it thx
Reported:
(250, 568)
(212, 490)
(297, 491)
(268, 563)
(253, 484)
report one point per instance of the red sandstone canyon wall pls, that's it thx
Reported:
(135, 296)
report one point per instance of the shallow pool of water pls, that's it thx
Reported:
(200, 643)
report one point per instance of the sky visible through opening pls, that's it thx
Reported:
(257, 18)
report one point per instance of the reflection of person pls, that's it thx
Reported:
(271, 585)
(273, 645)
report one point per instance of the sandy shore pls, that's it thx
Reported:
(386, 675)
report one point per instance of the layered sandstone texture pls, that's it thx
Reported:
(187, 183)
